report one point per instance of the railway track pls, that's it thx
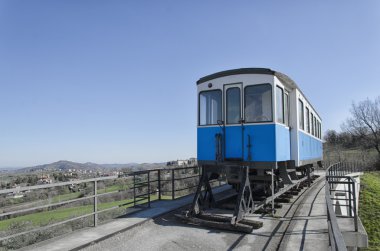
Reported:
(218, 218)
(296, 211)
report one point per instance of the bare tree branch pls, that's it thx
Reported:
(364, 123)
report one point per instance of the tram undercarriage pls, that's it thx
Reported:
(253, 189)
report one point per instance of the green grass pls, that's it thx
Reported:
(70, 196)
(111, 189)
(369, 208)
(44, 218)
(67, 196)
(49, 217)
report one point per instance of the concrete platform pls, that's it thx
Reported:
(81, 238)
(351, 238)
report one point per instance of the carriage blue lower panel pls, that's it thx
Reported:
(309, 147)
(282, 143)
(263, 144)
(206, 142)
(233, 141)
(270, 142)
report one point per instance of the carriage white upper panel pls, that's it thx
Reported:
(246, 79)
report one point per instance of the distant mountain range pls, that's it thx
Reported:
(64, 165)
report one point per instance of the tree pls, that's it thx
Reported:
(364, 123)
(331, 137)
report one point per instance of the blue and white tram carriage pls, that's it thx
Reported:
(257, 119)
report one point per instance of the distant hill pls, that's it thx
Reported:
(64, 165)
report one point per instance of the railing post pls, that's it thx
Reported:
(345, 169)
(148, 188)
(350, 198)
(173, 192)
(338, 168)
(334, 172)
(95, 203)
(134, 189)
(355, 212)
(328, 221)
(159, 183)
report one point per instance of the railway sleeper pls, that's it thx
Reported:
(242, 200)
(282, 200)
(268, 208)
(221, 218)
(224, 225)
(286, 195)
(294, 192)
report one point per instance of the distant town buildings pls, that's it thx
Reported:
(183, 163)
(44, 179)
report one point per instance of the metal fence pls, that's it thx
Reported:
(338, 174)
(143, 187)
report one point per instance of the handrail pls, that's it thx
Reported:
(144, 184)
(335, 235)
(338, 174)
(66, 183)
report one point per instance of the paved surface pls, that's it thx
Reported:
(85, 236)
(299, 225)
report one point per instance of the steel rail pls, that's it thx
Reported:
(279, 193)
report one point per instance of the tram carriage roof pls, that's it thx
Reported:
(281, 76)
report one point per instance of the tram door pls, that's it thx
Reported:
(233, 122)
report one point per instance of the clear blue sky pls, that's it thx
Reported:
(114, 81)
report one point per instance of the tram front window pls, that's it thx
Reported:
(258, 103)
(233, 105)
(210, 107)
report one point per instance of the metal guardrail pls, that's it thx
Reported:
(166, 182)
(337, 174)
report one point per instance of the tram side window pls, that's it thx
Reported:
(318, 128)
(312, 123)
(301, 115)
(258, 103)
(286, 109)
(280, 105)
(307, 120)
(315, 127)
(210, 107)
